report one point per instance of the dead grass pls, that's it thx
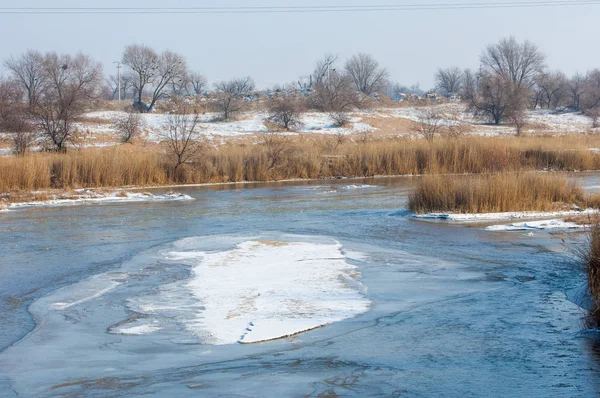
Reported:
(495, 193)
(303, 157)
(589, 255)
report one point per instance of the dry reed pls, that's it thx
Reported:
(304, 157)
(494, 193)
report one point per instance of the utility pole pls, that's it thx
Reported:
(119, 77)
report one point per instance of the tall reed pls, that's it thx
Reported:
(494, 193)
(303, 157)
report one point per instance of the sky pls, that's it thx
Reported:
(279, 48)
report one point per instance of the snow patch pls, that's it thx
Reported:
(264, 290)
(358, 186)
(535, 225)
(85, 197)
(136, 330)
(502, 216)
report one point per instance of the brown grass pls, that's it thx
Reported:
(494, 193)
(304, 157)
(589, 255)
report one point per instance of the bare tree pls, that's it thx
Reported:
(454, 125)
(336, 96)
(112, 83)
(198, 83)
(576, 87)
(276, 146)
(29, 71)
(230, 95)
(323, 70)
(13, 116)
(171, 68)
(184, 142)
(517, 62)
(366, 74)
(129, 126)
(72, 83)
(429, 123)
(517, 107)
(285, 110)
(470, 84)
(449, 81)
(551, 88)
(590, 99)
(143, 64)
(491, 99)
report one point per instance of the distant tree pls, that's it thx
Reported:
(552, 88)
(285, 110)
(514, 61)
(507, 74)
(13, 116)
(449, 81)
(367, 75)
(112, 83)
(336, 96)
(29, 71)
(129, 126)
(590, 99)
(153, 72)
(429, 123)
(491, 99)
(180, 133)
(198, 83)
(576, 88)
(516, 110)
(171, 68)
(230, 95)
(143, 64)
(72, 82)
(323, 70)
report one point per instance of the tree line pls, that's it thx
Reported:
(514, 77)
(45, 94)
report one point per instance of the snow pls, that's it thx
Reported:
(358, 186)
(86, 197)
(502, 216)
(136, 330)
(540, 120)
(263, 290)
(565, 122)
(535, 225)
(250, 123)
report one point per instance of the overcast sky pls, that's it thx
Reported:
(278, 48)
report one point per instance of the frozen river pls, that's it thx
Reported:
(191, 299)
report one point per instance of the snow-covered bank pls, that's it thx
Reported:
(536, 225)
(502, 216)
(87, 197)
(263, 290)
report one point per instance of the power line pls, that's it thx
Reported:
(291, 9)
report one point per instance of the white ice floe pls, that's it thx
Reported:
(136, 330)
(358, 186)
(535, 225)
(262, 291)
(87, 197)
(502, 216)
